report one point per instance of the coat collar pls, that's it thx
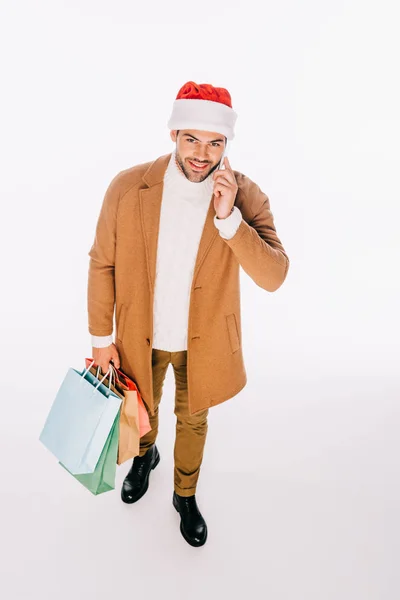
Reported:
(150, 207)
(155, 172)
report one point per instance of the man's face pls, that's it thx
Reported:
(198, 152)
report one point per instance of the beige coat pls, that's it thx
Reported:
(122, 273)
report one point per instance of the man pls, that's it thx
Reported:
(171, 236)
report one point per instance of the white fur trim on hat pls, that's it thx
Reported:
(206, 115)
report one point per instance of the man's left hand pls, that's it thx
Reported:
(225, 190)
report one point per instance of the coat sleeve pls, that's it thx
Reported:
(101, 282)
(256, 244)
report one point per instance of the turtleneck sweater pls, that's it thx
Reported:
(183, 212)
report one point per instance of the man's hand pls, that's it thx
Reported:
(225, 190)
(102, 357)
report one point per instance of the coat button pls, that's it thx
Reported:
(148, 341)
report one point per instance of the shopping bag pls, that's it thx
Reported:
(80, 420)
(134, 419)
(129, 426)
(103, 477)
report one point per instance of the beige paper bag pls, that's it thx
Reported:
(129, 428)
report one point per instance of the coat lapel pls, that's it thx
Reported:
(150, 208)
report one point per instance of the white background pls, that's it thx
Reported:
(300, 478)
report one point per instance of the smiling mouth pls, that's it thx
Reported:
(197, 166)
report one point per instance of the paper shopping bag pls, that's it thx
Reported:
(103, 477)
(134, 419)
(80, 420)
(123, 382)
(129, 427)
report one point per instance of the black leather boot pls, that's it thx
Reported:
(193, 526)
(137, 481)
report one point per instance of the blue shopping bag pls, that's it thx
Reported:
(103, 478)
(80, 420)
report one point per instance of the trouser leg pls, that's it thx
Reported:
(160, 361)
(191, 432)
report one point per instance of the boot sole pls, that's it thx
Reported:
(146, 485)
(189, 540)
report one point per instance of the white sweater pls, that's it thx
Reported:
(183, 212)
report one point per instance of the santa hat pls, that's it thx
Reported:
(203, 106)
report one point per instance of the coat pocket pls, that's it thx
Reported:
(121, 322)
(233, 332)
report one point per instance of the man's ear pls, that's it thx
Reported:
(173, 134)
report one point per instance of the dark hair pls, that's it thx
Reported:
(178, 130)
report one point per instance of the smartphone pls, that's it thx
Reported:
(225, 153)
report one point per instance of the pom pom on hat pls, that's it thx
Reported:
(204, 91)
(204, 107)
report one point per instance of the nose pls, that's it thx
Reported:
(201, 154)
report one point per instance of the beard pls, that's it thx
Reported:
(192, 175)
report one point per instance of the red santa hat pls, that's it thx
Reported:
(203, 106)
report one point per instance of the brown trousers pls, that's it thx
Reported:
(191, 431)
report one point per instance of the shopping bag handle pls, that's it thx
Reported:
(111, 366)
(110, 370)
(121, 377)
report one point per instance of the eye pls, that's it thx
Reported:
(216, 144)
